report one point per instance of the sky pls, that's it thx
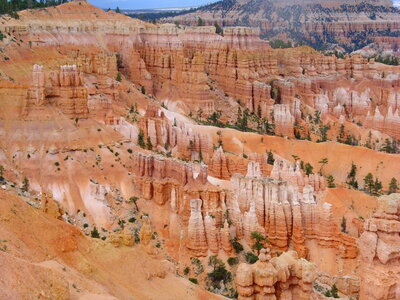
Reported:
(141, 4)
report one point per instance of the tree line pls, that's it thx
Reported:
(13, 6)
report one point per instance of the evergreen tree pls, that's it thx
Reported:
(200, 22)
(117, 10)
(351, 177)
(95, 233)
(140, 141)
(259, 241)
(331, 182)
(377, 189)
(393, 186)
(149, 144)
(308, 169)
(25, 184)
(119, 77)
(270, 159)
(218, 28)
(343, 225)
(388, 146)
(369, 182)
(323, 162)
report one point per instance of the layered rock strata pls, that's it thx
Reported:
(380, 251)
(283, 277)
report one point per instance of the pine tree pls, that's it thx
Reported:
(95, 233)
(141, 142)
(393, 186)
(377, 188)
(270, 159)
(343, 225)
(369, 182)
(308, 168)
(117, 10)
(149, 144)
(323, 162)
(351, 177)
(331, 182)
(25, 184)
(119, 77)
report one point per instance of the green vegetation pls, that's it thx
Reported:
(95, 233)
(343, 225)
(308, 169)
(250, 257)
(25, 185)
(218, 28)
(233, 261)
(200, 22)
(119, 77)
(134, 201)
(387, 60)
(323, 162)
(140, 139)
(351, 177)
(193, 280)
(331, 181)
(373, 187)
(270, 159)
(11, 7)
(275, 44)
(237, 246)
(259, 241)
(393, 186)
(333, 292)
(219, 272)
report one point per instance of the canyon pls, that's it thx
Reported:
(344, 25)
(168, 161)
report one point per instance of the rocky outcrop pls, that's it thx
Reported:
(380, 251)
(389, 124)
(319, 22)
(175, 136)
(286, 212)
(197, 242)
(283, 277)
(222, 166)
(284, 121)
(64, 90)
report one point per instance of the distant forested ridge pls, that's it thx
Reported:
(13, 6)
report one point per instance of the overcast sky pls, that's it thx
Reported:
(140, 4)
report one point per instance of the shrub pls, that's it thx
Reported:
(193, 280)
(119, 77)
(25, 184)
(140, 140)
(259, 240)
(95, 233)
(186, 270)
(233, 261)
(250, 257)
(331, 181)
(236, 245)
(219, 271)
